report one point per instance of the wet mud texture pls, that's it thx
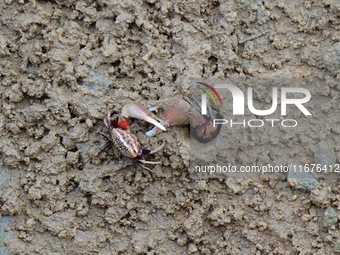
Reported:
(64, 64)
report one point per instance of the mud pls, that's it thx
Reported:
(64, 64)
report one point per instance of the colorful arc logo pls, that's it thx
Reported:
(211, 91)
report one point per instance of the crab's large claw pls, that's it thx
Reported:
(202, 126)
(177, 112)
(181, 111)
(134, 110)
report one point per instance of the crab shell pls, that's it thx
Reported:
(126, 143)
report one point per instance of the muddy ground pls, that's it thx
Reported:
(64, 64)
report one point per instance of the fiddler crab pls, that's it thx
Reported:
(176, 111)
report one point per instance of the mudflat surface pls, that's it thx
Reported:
(64, 64)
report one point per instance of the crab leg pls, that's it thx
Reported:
(134, 110)
(149, 162)
(157, 149)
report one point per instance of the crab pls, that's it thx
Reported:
(176, 111)
(123, 140)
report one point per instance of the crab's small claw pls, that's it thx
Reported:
(134, 110)
(177, 113)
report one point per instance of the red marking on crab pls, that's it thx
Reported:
(123, 123)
